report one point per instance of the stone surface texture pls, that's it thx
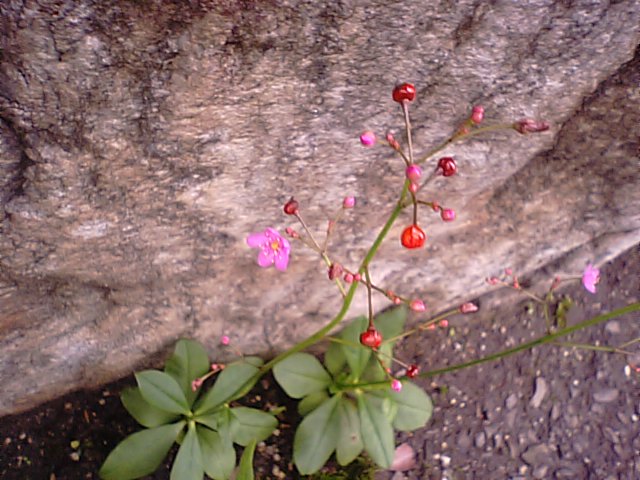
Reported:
(140, 142)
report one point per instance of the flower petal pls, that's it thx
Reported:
(256, 240)
(265, 258)
(282, 260)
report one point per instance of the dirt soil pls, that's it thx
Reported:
(555, 412)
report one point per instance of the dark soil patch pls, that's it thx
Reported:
(555, 412)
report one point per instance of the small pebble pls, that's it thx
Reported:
(511, 401)
(480, 440)
(541, 390)
(606, 395)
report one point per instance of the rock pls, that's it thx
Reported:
(537, 454)
(480, 440)
(511, 401)
(540, 392)
(140, 142)
(606, 395)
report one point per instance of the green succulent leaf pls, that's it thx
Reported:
(377, 433)
(349, 444)
(414, 407)
(162, 391)
(218, 455)
(311, 402)
(251, 424)
(301, 374)
(145, 414)
(357, 355)
(334, 358)
(245, 471)
(230, 384)
(140, 453)
(188, 462)
(210, 420)
(188, 362)
(316, 437)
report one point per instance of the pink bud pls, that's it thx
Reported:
(444, 323)
(396, 385)
(335, 271)
(291, 232)
(431, 326)
(348, 277)
(357, 277)
(196, 384)
(413, 172)
(468, 307)
(448, 215)
(413, 188)
(368, 139)
(493, 280)
(529, 125)
(435, 206)
(393, 142)
(477, 114)
(349, 202)
(224, 340)
(397, 301)
(417, 305)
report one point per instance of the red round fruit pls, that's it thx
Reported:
(412, 371)
(291, 207)
(371, 338)
(404, 92)
(448, 166)
(413, 237)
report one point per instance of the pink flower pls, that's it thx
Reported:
(590, 278)
(477, 114)
(274, 248)
(396, 385)
(368, 139)
(225, 340)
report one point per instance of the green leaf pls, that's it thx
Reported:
(245, 472)
(414, 407)
(349, 444)
(301, 374)
(140, 453)
(188, 362)
(145, 414)
(377, 433)
(390, 323)
(382, 401)
(357, 355)
(311, 402)
(162, 391)
(252, 424)
(188, 462)
(209, 419)
(218, 456)
(334, 358)
(229, 384)
(316, 437)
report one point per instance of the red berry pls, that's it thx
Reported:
(448, 166)
(371, 338)
(413, 237)
(405, 91)
(291, 207)
(413, 370)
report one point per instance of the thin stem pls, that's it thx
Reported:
(407, 124)
(369, 301)
(588, 346)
